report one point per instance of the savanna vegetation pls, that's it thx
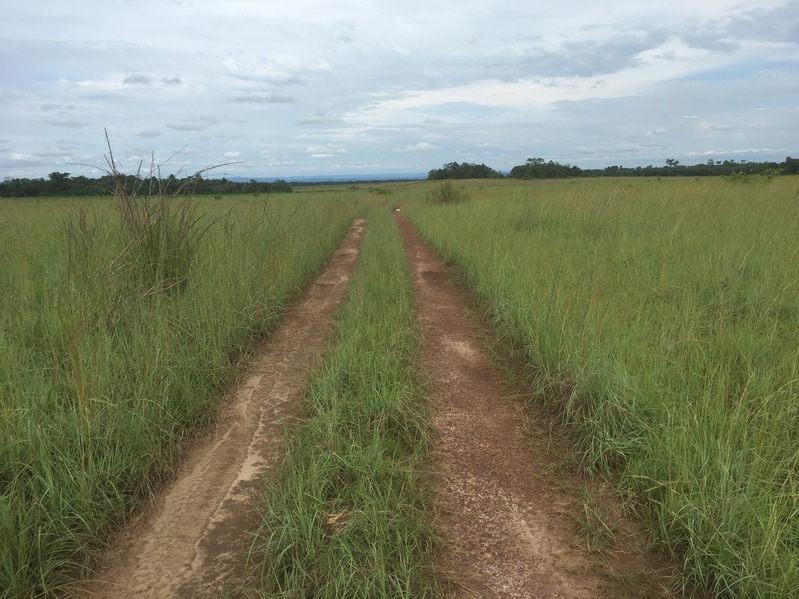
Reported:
(121, 323)
(662, 319)
(349, 512)
(659, 318)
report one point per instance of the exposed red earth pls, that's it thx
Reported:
(504, 501)
(192, 542)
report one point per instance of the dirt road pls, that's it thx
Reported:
(504, 499)
(193, 541)
(503, 503)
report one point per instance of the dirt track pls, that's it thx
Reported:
(193, 540)
(504, 504)
(503, 509)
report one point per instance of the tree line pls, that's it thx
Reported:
(538, 168)
(62, 184)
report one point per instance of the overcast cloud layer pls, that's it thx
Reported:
(305, 88)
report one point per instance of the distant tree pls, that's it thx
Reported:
(58, 182)
(467, 170)
(537, 168)
(280, 186)
(57, 177)
(791, 166)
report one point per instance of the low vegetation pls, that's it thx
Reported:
(119, 331)
(447, 193)
(663, 320)
(348, 515)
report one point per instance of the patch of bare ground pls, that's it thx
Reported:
(193, 540)
(516, 520)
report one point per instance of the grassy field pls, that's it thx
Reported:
(662, 317)
(348, 515)
(115, 345)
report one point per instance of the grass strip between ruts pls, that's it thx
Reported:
(348, 514)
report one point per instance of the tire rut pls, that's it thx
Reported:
(193, 541)
(505, 516)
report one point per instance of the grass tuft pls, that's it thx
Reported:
(161, 227)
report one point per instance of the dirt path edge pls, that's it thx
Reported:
(192, 541)
(509, 509)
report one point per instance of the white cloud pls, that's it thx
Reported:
(193, 124)
(23, 157)
(264, 98)
(326, 151)
(359, 84)
(422, 146)
(136, 80)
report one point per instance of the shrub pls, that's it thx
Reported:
(740, 178)
(446, 193)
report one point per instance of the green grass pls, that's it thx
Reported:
(663, 319)
(348, 514)
(105, 373)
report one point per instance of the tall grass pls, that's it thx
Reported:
(104, 371)
(348, 514)
(663, 317)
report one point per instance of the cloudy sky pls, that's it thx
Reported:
(305, 87)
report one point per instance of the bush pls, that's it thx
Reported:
(446, 193)
(740, 178)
